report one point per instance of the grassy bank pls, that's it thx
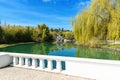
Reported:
(112, 47)
(7, 45)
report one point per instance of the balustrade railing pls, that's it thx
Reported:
(36, 62)
(84, 67)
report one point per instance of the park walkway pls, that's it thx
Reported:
(13, 73)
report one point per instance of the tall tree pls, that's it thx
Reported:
(99, 22)
(1, 34)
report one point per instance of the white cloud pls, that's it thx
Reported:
(83, 4)
(32, 13)
(53, 1)
(46, 0)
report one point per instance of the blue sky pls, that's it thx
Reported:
(54, 13)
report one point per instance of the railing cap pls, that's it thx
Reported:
(60, 58)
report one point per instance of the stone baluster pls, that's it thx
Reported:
(50, 64)
(59, 66)
(15, 60)
(21, 61)
(27, 62)
(34, 63)
(42, 65)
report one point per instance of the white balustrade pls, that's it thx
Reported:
(89, 68)
(23, 60)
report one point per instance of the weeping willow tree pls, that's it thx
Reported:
(98, 23)
(114, 25)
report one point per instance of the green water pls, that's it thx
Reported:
(68, 50)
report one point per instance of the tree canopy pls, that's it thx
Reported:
(101, 21)
(13, 33)
(41, 33)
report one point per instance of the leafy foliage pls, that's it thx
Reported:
(68, 35)
(12, 34)
(41, 33)
(100, 22)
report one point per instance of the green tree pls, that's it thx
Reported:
(43, 33)
(99, 22)
(68, 35)
(1, 34)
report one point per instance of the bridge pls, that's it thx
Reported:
(81, 67)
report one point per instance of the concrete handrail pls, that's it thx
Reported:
(5, 60)
(59, 58)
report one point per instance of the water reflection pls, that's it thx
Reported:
(68, 50)
(97, 53)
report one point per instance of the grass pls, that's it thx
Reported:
(113, 45)
(7, 45)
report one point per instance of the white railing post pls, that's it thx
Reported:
(42, 65)
(59, 66)
(15, 60)
(21, 61)
(34, 63)
(50, 64)
(27, 63)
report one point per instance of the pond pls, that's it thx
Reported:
(68, 50)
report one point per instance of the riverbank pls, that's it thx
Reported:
(7, 45)
(115, 47)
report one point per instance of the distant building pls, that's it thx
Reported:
(59, 39)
